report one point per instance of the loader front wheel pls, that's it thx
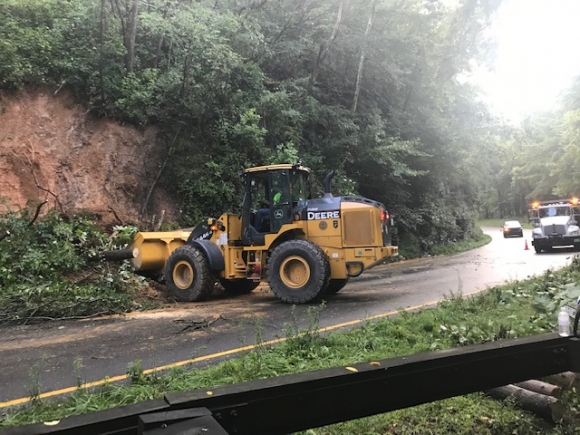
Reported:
(298, 272)
(187, 275)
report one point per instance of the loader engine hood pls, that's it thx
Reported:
(364, 222)
(330, 207)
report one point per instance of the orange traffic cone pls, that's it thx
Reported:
(526, 248)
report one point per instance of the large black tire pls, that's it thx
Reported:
(335, 285)
(239, 286)
(538, 249)
(298, 272)
(187, 275)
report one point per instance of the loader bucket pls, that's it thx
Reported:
(154, 248)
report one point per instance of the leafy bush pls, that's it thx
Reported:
(49, 268)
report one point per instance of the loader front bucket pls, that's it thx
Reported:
(152, 249)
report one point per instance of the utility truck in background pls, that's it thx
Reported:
(555, 224)
(304, 247)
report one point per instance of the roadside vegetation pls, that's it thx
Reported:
(411, 246)
(50, 269)
(514, 310)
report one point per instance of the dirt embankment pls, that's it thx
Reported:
(52, 149)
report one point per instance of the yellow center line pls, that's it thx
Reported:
(107, 380)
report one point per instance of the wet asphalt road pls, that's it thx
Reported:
(57, 355)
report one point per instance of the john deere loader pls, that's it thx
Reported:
(303, 247)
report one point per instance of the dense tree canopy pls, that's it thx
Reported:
(369, 87)
(538, 160)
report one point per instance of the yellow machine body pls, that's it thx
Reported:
(355, 242)
(344, 236)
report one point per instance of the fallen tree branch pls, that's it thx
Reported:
(201, 324)
(116, 216)
(48, 191)
(38, 207)
(59, 88)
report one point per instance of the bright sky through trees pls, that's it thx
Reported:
(537, 55)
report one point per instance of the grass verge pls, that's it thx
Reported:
(409, 246)
(514, 310)
(461, 246)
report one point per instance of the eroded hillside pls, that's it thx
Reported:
(55, 150)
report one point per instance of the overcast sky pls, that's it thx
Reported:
(538, 54)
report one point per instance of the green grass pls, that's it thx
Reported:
(409, 246)
(514, 310)
(460, 246)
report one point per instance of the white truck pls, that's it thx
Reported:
(555, 224)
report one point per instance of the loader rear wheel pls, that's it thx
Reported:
(187, 275)
(336, 285)
(240, 286)
(298, 272)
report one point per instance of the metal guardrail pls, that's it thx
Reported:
(296, 402)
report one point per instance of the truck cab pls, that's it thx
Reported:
(555, 224)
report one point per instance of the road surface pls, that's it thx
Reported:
(54, 357)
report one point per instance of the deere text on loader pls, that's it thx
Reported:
(303, 247)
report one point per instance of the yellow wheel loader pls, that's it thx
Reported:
(303, 247)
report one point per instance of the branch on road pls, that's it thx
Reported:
(198, 324)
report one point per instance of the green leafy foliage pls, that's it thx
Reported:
(48, 269)
(236, 84)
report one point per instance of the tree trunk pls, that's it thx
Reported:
(541, 387)
(130, 37)
(547, 407)
(158, 52)
(125, 254)
(150, 192)
(157, 226)
(102, 52)
(566, 380)
(324, 48)
(362, 58)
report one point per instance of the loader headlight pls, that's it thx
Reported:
(573, 230)
(537, 232)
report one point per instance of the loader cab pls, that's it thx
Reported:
(272, 194)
